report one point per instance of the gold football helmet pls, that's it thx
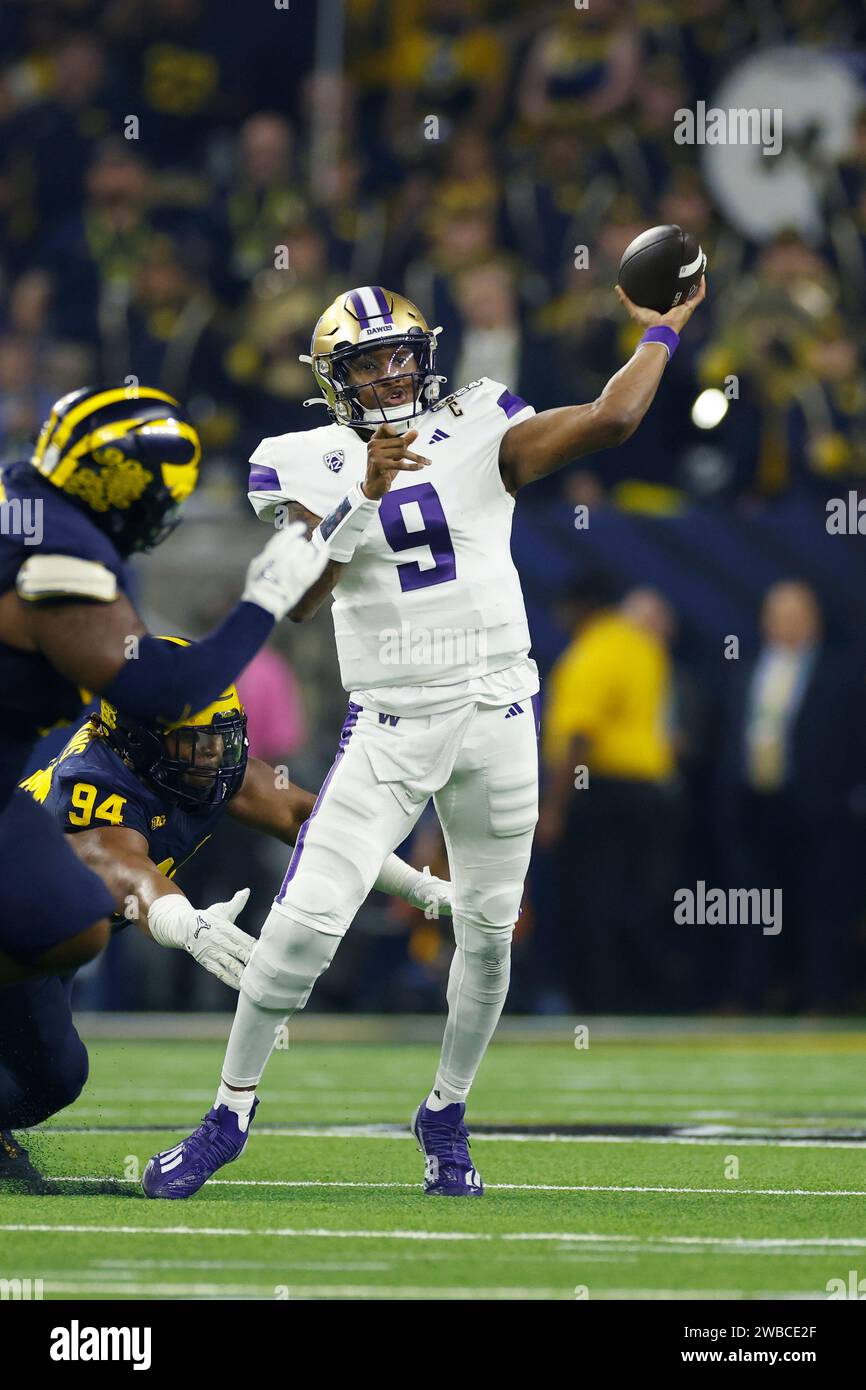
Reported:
(373, 341)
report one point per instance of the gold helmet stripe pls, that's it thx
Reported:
(58, 437)
(175, 475)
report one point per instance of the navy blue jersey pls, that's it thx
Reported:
(88, 786)
(38, 521)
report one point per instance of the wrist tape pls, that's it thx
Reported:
(340, 531)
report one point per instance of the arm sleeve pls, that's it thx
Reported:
(167, 682)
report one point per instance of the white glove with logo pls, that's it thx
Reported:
(208, 933)
(432, 895)
(418, 886)
(280, 575)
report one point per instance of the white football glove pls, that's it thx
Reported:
(208, 933)
(432, 895)
(418, 886)
(280, 575)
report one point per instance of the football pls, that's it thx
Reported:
(662, 268)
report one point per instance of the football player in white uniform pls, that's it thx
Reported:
(411, 497)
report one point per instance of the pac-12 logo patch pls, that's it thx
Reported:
(334, 460)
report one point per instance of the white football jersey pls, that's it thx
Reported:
(429, 611)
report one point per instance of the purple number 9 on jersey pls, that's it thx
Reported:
(434, 534)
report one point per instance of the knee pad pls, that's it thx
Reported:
(328, 880)
(484, 955)
(286, 962)
(489, 901)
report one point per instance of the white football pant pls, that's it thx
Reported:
(480, 765)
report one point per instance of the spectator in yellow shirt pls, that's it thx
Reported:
(606, 818)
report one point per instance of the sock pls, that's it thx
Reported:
(240, 1102)
(441, 1096)
(477, 986)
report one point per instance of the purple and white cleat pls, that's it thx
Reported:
(181, 1171)
(444, 1141)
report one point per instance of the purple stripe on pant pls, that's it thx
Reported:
(345, 734)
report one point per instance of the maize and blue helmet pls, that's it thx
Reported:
(128, 456)
(198, 760)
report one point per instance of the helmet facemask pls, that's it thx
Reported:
(204, 765)
(407, 358)
(197, 766)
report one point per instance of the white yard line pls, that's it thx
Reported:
(425, 1292)
(385, 1131)
(735, 1243)
(136, 1289)
(729, 1191)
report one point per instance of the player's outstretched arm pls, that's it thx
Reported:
(119, 855)
(548, 441)
(142, 894)
(266, 803)
(104, 647)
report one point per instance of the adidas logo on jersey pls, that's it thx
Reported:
(514, 709)
(438, 436)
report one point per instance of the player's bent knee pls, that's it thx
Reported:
(75, 1072)
(286, 962)
(489, 908)
(328, 891)
(62, 1087)
(47, 1091)
(486, 962)
(491, 945)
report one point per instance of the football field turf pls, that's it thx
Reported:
(665, 1160)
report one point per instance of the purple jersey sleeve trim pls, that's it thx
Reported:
(263, 479)
(510, 403)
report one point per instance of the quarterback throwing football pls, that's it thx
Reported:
(410, 496)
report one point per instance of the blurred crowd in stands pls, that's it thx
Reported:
(185, 184)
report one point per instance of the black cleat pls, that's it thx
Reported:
(17, 1173)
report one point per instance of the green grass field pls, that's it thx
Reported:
(621, 1187)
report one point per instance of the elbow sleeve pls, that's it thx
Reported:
(164, 680)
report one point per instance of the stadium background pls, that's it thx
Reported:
(183, 189)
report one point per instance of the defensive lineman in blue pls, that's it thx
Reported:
(433, 645)
(106, 478)
(137, 799)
